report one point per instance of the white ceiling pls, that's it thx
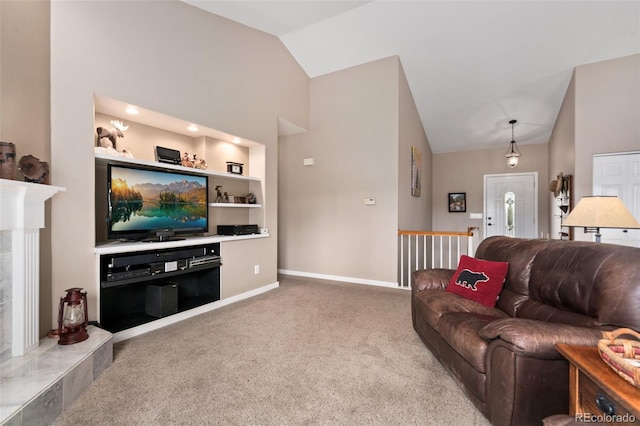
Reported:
(471, 65)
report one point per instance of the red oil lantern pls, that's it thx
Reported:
(72, 317)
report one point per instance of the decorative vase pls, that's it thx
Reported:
(7, 160)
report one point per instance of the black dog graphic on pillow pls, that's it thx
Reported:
(469, 279)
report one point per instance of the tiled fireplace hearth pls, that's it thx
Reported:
(38, 378)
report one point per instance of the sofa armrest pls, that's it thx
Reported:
(431, 279)
(538, 338)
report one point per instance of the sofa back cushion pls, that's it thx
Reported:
(572, 282)
(519, 253)
(600, 281)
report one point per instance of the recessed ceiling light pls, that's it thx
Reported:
(236, 140)
(192, 128)
(132, 110)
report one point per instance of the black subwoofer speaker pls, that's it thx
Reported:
(161, 299)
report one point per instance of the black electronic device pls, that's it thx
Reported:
(235, 168)
(155, 204)
(156, 257)
(205, 260)
(238, 229)
(161, 299)
(167, 155)
(128, 274)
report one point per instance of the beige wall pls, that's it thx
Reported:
(464, 172)
(607, 113)
(24, 108)
(600, 114)
(325, 226)
(177, 60)
(562, 154)
(414, 213)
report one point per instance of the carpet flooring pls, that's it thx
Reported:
(310, 352)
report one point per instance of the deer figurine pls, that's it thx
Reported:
(111, 134)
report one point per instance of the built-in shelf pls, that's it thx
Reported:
(112, 247)
(125, 160)
(245, 205)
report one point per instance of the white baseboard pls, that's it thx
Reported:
(340, 278)
(162, 322)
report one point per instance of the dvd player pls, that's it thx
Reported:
(206, 260)
(238, 229)
(128, 274)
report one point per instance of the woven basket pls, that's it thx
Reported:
(622, 355)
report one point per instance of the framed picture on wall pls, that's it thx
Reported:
(416, 166)
(457, 202)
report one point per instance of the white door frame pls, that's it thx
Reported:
(484, 198)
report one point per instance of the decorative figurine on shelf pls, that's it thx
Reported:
(199, 163)
(34, 170)
(186, 162)
(251, 198)
(107, 139)
(111, 134)
(226, 197)
(219, 198)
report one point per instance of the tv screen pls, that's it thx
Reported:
(155, 203)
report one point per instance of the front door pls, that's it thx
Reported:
(511, 205)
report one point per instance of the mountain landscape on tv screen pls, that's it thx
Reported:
(180, 204)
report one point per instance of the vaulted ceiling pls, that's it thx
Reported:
(471, 65)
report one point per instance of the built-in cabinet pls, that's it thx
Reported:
(142, 285)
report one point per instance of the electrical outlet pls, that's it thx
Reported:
(256, 269)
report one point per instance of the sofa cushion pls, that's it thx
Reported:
(461, 331)
(431, 305)
(478, 280)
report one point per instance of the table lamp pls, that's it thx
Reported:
(600, 211)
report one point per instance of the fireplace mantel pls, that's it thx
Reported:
(22, 212)
(22, 205)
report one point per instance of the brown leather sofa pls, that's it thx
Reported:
(504, 358)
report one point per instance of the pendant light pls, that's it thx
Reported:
(513, 154)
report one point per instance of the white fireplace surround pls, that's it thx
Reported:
(22, 213)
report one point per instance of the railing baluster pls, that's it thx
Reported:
(433, 251)
(409, 256)
(417, 252)
(424, 251)
(401, 260)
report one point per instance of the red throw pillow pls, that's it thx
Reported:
(479, 280)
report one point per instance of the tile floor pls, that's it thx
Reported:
(37, 387)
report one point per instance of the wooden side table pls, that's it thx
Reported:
(596, 392)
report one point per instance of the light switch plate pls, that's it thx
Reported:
(369, 201)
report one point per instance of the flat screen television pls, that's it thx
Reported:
(155, 205)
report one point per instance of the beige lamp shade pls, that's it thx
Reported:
(601, 212)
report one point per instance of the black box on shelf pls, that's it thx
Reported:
(235, 168)
(167, 155)
(161, 299)
(238, 229)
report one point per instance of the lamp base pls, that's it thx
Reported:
(589, 229)
(71, 337)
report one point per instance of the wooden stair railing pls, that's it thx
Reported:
(432, 249)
